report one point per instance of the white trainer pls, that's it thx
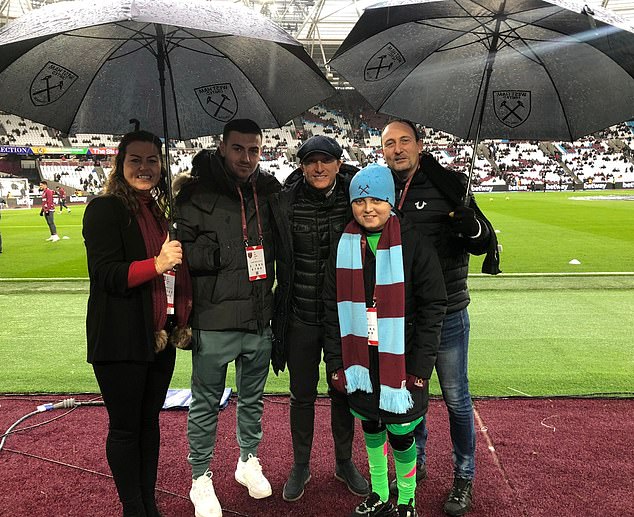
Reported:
(203, 495)
(50, 238)
(54, 238)
(249, 474)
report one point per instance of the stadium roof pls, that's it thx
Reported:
(321, 25)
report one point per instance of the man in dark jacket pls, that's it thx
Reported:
(314, 210)
(224, 222)
(433, 199)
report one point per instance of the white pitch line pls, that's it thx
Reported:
(503, 275)
(518, 391)
(46, 279)
(57, 223)
(572, 273)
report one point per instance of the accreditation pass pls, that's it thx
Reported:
(256, 262)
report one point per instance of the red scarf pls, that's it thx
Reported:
(154, 231)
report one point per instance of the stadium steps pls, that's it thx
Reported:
(619, 146)
(553, 152)
(484, 151)
(101, 175)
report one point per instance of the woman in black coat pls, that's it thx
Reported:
(384, 302)
(136, 306)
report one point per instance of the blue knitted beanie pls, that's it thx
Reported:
(373, 181)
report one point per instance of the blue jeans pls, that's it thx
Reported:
(451, 367)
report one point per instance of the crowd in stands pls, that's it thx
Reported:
(605, 157)
(15, 130)
(80, 175)
(94, 140)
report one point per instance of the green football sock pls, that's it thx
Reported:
(376, 445)
(405, 464)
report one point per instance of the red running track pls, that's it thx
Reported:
(535, 457)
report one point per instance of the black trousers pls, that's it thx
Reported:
(134, 393)
(305, 344)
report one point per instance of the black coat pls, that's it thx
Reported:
(453, 251)
(284, 203)
(209, 225)
(119, 320)
(425, 306)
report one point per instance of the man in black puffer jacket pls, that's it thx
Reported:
(433, 197)
(224, 222)
(313, 211)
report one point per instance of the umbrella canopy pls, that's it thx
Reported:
(89, 66)
(507, 69)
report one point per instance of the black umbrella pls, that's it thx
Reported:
(507, 69)
(181, 68)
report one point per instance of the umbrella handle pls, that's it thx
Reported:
(172, 234)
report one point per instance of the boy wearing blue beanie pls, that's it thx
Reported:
(382, 281)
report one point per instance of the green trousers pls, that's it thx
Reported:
(212, 351)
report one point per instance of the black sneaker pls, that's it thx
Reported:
(347, 472)
(374, 507)
(406, 510)
(297, 479)
(460, 497)
(421, 474)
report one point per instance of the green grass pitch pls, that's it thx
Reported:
(543, 327)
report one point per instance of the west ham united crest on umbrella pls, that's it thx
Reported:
(218, 100)
(51, 83)
(383, 63)
(512, 107)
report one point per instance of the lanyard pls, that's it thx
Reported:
(402, 200)
(243, 213)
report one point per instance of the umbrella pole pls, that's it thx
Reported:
(488, 72)
(487, 79)
(472, 164)
(160, 63)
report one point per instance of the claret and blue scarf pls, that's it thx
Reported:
(390, 305)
